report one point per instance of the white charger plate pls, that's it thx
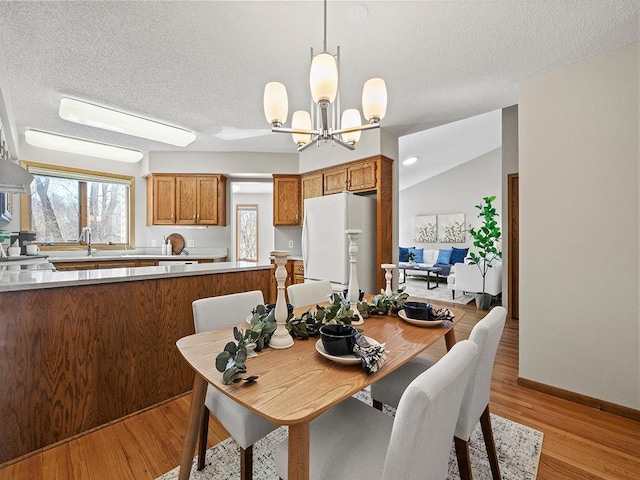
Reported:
(419, 323)
(350, 359)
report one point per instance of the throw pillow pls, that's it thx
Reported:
(418, 254)
(444, 256)
(458, 255)
(402, 257)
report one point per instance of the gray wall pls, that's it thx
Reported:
(509, 165)
(579, 325)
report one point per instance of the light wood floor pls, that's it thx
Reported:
(579, 442)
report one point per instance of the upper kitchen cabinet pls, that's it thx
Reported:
(359, 176)
(286, 200)
(186, 199)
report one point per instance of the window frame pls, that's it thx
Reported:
(91, 175)
(243, 206)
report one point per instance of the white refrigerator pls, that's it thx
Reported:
(325, 245)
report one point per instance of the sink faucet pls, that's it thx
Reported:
(85, 234)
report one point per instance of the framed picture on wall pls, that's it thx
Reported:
(424, 229)
(451, 228)
(6, 210)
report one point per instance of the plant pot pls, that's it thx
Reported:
(483, 301)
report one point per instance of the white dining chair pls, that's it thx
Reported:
(475, 405)
(352, 441)
(309, 293)
(242, 424)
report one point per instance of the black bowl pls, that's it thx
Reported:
(338, 339)
(417, 310)
(271, 306)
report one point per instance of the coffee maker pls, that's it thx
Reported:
(23, 238)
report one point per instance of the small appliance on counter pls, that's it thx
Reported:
(23, 238)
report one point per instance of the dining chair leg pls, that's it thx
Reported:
(464, 460)
(377, 405)
(246, 463)
(202, 446)
(487, 433)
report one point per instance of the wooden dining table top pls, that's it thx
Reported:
(297, 384)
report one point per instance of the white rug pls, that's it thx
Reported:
(417, 287)
(518, 447)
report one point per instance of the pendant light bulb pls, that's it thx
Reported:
(323, 78)
(374, 100)
(350, 119)
(301, 120)
(276, 103)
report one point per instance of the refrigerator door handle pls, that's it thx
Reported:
(305, 232)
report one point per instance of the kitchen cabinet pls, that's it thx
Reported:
(358, 176)
(335, 180)
(312, 186)
(298, 272)
(361, 177)
(286, 200)
(186, 199)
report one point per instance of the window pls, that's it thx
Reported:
(64, 201)
(247, 232)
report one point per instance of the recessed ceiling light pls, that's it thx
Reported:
(82, 147)
(108, 119)
(410, 161)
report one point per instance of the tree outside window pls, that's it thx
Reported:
(247, 232)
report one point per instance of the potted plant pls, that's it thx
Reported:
(410, 257)
(486, 239)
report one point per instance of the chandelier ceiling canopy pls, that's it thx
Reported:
(323, 82)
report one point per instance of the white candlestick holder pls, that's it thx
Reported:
(388, 276)
(281, 337)
(353, 294)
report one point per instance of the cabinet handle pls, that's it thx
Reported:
(198, 218)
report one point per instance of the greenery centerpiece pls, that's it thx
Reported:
(411, 256)
(231, 361)
(486, 239)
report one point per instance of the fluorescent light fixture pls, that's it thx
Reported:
(82, 147)
(108, 119)
(410, 161)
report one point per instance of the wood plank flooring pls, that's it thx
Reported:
(579, 442)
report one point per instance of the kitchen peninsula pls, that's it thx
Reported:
(83, 348)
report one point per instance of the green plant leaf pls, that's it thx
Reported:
(221, 361)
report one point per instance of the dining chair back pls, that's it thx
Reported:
(416, 444)
(242, 424)
(309, 293)
(475, 404)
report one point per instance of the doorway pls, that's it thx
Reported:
(513, 304)
(259, 195)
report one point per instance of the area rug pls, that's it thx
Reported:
(518, 447)
(417, 287)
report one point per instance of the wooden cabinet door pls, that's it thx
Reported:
(186, 200)
(362, 177)
(286, 200)
(164, 200)
(311, 187)
(207, 211)
(335, 181)
(298, 272)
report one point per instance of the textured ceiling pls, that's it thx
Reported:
(203, 65)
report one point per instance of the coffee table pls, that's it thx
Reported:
(429, 270)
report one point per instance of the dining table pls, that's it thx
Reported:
(297, 384)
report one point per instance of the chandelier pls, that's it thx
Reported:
(323, 80)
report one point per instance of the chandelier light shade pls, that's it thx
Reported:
(108, 119)
(301, 121)
(62, 143)
(374, 100)
(350, 119)
(276, 103)
(323, 78)
(323, 83)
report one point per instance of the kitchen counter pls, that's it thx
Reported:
(83, 348)
(32, 280)
(106, 257)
